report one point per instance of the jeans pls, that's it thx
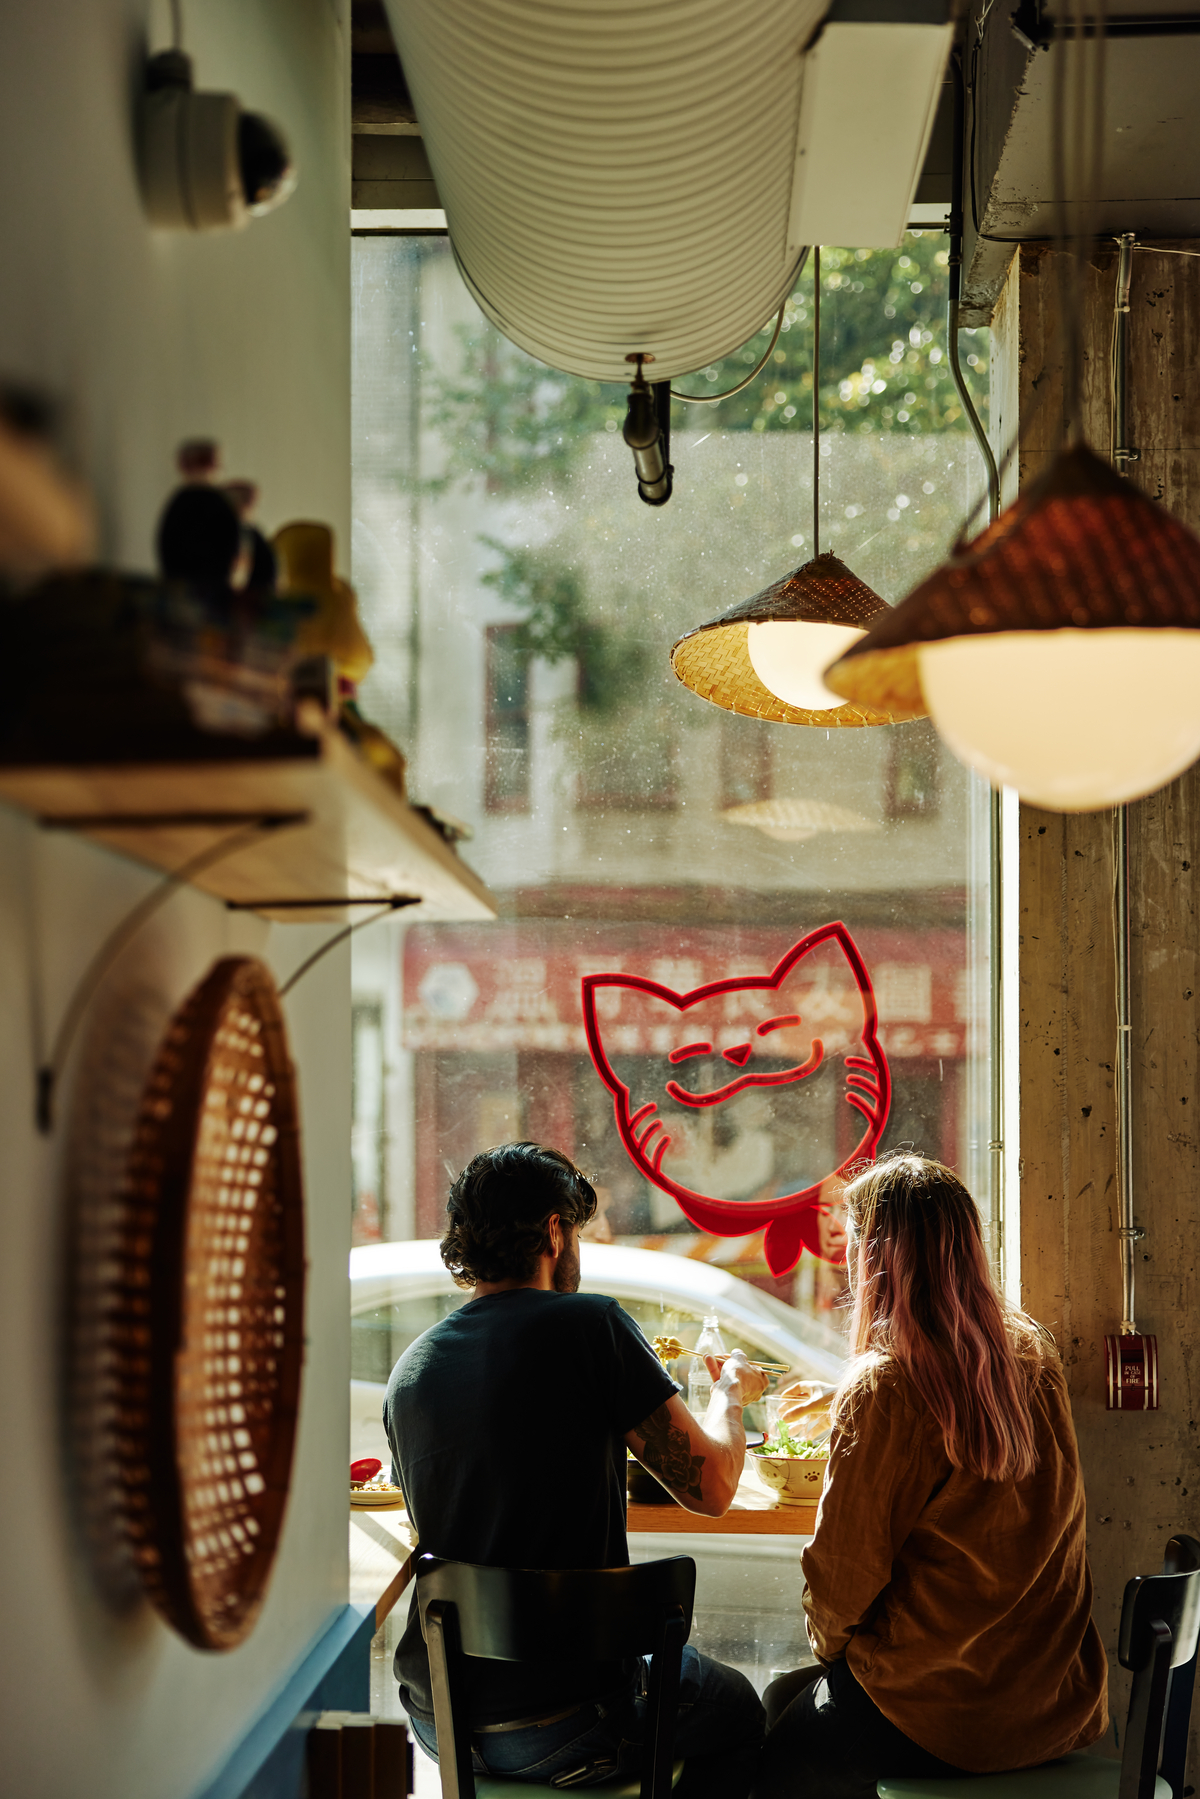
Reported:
(829, 1740)
(718, 1735)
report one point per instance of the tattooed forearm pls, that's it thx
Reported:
(667, 1452)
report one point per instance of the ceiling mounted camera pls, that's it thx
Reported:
(206, 163)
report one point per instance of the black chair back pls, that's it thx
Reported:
(525, 1615)
(1160, 1627)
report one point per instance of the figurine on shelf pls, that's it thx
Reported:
(304, 555)
(219, 631)
(199, 536)
(373, 745)
(198, 459)
(205, 535)
(258, 557)
(304, 552)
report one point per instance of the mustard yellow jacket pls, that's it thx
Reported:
(962, 1606)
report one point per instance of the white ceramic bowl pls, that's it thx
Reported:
(795, 1480)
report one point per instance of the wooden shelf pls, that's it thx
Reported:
(345, 835)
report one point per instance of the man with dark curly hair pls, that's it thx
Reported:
(508, 1423)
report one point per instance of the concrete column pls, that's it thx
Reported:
(1142, 1470)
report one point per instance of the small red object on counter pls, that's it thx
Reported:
(367, 1469)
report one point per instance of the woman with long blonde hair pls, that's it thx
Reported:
(948, 1595)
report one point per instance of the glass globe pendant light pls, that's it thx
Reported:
(765, 656)
(1060, 652)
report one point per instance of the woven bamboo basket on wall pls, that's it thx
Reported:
(210, 1307)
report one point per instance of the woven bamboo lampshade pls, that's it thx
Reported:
(716, 659)
(1060, 652)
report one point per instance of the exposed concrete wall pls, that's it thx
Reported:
(1142, 1471)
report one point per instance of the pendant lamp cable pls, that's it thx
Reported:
(760, 365)
(1071, 246)
(816, 422)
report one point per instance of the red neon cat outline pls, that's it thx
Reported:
(792, 1219)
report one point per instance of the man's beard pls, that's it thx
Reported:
(566, 1269)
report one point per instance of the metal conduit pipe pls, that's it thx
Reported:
(1127, 1230)
(1122, 456)
(995, 872)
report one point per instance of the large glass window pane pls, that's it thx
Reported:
(523, 603)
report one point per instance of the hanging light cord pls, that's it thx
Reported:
(816, 400)
(954, 293)
(760, 365)
(1070, 247)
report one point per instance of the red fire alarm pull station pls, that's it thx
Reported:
(752, 1033)
(1131, 1365)
(1131, 1357)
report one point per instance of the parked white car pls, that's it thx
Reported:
(399, 1289)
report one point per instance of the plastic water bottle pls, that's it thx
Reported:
(700, 1381)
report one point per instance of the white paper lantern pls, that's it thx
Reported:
(1074, 720)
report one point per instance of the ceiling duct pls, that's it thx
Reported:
(623, 178)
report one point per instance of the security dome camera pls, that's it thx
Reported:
(204, 162)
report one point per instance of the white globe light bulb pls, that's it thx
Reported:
(789, 658)
(1074, 720)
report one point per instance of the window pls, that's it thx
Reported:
(745, 761)
(506, 751)
(368, 1123)
(605, 816)
(912, 772)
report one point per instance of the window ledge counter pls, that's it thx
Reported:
(754, 1512)
(381, 1547)
(381, 1542)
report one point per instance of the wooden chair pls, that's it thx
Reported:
(521, 1615)
(1160, 1623)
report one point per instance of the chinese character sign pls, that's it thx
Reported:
(782, 1032)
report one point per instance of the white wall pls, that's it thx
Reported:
(148, 337)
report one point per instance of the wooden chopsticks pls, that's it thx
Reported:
(670, 1349)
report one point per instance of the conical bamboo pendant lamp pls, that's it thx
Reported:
(765, 656)
(1060, 653)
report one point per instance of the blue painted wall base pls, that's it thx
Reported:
(334, 1676)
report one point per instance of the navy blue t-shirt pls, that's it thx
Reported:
(507, 1423)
